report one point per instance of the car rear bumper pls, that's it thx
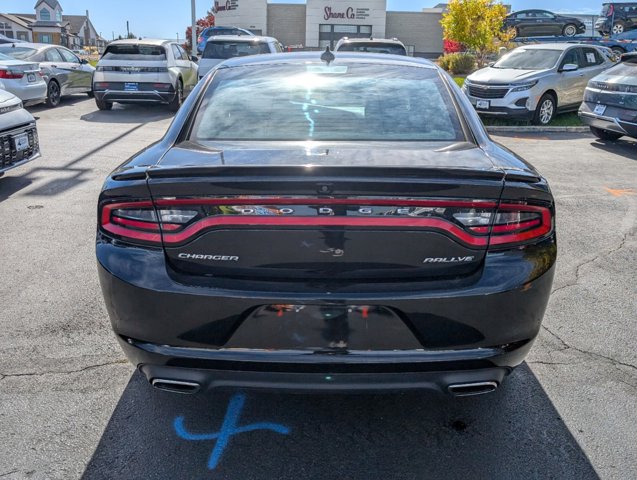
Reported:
(30, 94)
(121, 96)
(611, 120)
(484, 325)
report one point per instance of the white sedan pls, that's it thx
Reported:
(23, 79)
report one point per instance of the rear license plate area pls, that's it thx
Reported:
(323, 328)
(31, 77)
(131, 87)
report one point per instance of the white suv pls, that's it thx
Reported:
(144, 71)
(18, 133)
(371, 45)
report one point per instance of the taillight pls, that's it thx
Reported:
(10, 74)
(518, 223)
(140, 221)
(476, 224)
(101, 86)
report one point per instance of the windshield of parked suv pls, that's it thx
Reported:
(373, 47)
(529, 59)
(18, 53)
(230, 49)
(143, 53)
(319, 102)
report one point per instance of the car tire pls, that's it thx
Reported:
(569, 30)
(618, 50)
(618, 28)
(102, 105)
(53, 94)
(90, 94)
(545, 110)
(605, 134)
(179, 97)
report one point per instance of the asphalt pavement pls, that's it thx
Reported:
(72, 407)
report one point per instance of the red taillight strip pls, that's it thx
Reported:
(507, 228)
(438, 224)
(324, 201)
(127, 222)
(542, 229)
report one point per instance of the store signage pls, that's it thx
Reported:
(349, 14)
(225, 6)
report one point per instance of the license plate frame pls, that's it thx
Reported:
(31, 78)
(21, 142)
(483, 104)
(599, 109)
(131, 87)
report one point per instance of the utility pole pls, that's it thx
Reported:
(127, 30)
(193, 32)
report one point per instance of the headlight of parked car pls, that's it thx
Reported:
(524, 86)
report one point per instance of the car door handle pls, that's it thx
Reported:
(54, 66)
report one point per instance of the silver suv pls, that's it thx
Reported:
(144, 71)
(534, 82)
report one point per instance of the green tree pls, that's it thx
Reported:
(477, 24)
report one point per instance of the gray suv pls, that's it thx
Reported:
(534, 82)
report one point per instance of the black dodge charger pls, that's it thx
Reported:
(332, 222)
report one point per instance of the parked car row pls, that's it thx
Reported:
(535, 82)
(54, 72)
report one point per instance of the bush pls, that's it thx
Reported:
(458, 63)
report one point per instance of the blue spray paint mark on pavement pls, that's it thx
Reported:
(228, 429)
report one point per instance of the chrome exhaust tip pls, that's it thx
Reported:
(469, 389)
(175, 386)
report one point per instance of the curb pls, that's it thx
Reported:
(532, 129)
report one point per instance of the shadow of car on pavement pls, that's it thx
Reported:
(513, 433)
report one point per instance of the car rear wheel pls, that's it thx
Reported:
(102, 105)
(605, 134)
(618, 50)
(618, 28)
(545, 110)
(569, 30)
(53, 94)
(179, 97)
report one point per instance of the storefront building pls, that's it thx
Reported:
(320, 23)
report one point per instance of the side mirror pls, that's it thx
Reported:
(194, 58)
(569, 67)
(490, 64)
(83, 61)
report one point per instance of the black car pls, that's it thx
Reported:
(533, 23)
(610, 101)
(616, 18)
(335, 221)
(65, 73)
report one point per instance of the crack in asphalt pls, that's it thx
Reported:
(591, 260)
(62, 372)
(566, 345)
(8, 473)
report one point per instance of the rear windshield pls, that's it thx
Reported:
(230, 49)
(144, 53)
(336, 102)
(375, 47)
(529, 59)
(19, 53)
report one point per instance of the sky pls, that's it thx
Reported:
(169, 18)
